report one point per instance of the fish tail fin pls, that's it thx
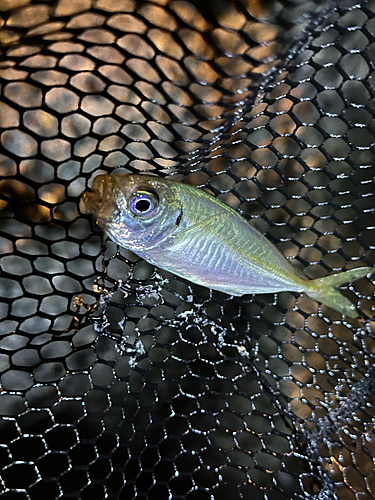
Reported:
(325, 290)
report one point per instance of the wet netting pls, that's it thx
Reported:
(122, 381)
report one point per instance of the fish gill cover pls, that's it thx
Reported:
(122, 381)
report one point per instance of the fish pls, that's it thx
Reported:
(186, 231)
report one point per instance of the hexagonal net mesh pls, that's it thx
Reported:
(119, 380)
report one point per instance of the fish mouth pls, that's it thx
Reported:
(100, 201)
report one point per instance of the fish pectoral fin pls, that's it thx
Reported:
(181, 233)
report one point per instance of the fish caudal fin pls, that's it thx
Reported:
(325, 290)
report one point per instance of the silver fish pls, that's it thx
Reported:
(186, 231)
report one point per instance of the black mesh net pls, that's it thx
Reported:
(119, 380)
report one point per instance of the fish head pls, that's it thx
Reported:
(136, 211)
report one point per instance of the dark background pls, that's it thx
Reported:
(121, 381)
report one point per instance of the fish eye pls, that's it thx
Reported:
(143, 203)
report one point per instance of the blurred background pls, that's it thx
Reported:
(119, 380)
